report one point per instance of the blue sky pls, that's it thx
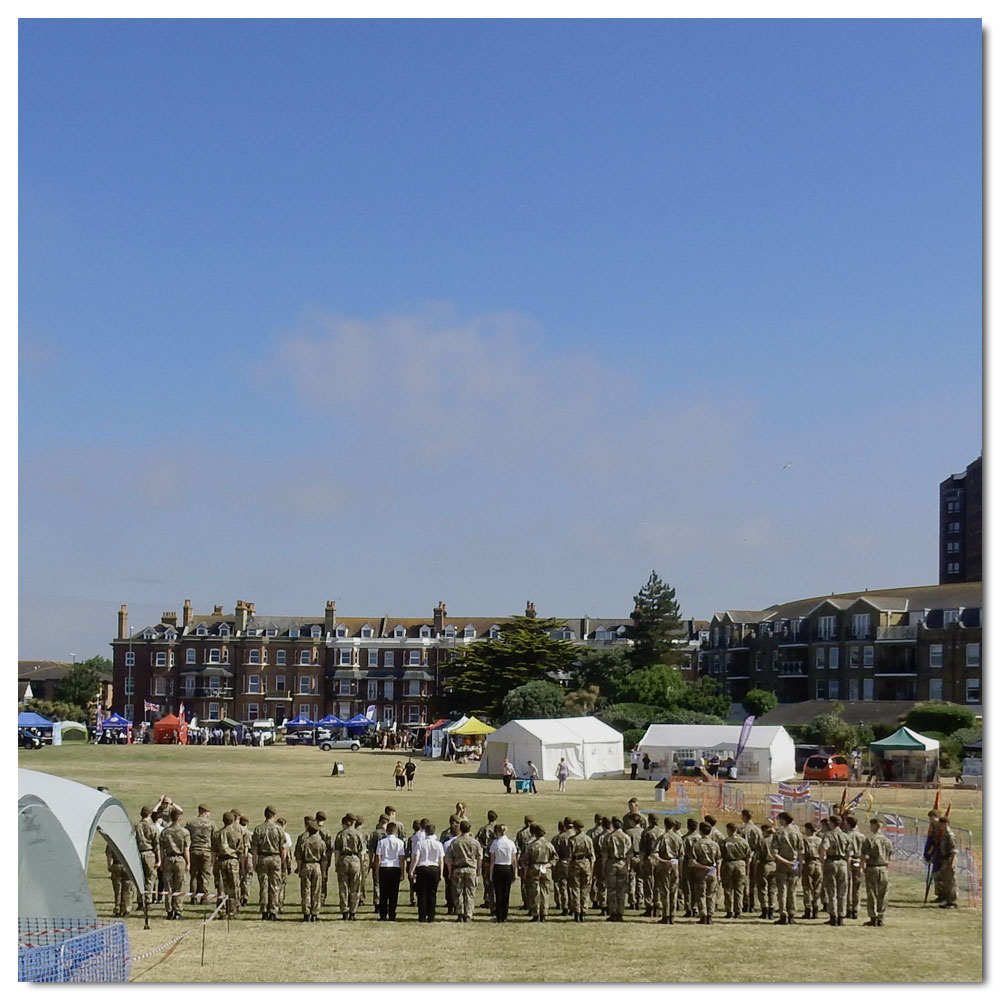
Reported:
(395, 312)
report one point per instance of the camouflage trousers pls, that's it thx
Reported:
(764, 884)
(148, 859)
(703, 891)
(647, 874)
(599, 887)
(616, 880)
(560, 884)
(835, 881)
(578, 884)
(666, 883)
(228, 881)
(812, 885)
(785, 880)
(636, 896)
(269, 881)
(876, 890)
(201, 871)
(734, 883)
(310, 887)
(854, 888)
(349, 883)
(537, 889)
(463, 890)
(174, 880)
(121, 883)
(246, 881)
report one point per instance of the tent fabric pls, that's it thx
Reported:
(80, 813)
(299, 720)
(33, 719)
(163, 729)
(474, 727)
(590, 748)
(769, 753)
(330, 720)
(116, 721)
(905, 739)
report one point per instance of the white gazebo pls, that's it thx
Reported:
(591, 748)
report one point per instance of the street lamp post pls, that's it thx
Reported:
(130, 659)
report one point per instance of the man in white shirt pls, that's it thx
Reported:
(635, 759)
(503, 870)
(508, 773)
(530, 774)
(389, 860)
(427, 867)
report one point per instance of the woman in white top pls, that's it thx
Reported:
(503, 870)
(562, 773)
(389, 857)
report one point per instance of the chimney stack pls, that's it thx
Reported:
(440, 615)
(188, 613)
(530, 610)
(169, 618)
(242, 614)
(217, 609)
(123, 622)
(330, 617)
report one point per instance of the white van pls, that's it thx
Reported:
(266, 729)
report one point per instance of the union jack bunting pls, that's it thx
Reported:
(821, 810)
(777, 803)
(794, 791)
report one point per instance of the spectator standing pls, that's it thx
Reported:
(508, 774)
(503, 870)
(562, 773)
(409, 770)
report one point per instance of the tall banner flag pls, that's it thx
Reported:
(370, 713)
(745, 734)
(892, 826)
(180, 713)
(99, 720)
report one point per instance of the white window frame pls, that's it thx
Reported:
(372, 657)
(293, 633)
(973, 685)
(413, 714)
(315, 632)
(950, 615)
(953, 548)
(253, 684)
(129, 686)
(214, 683)
(367, 632)
(305, 658)
(412, 689)
(388, 688)
(935, 655)
(189, 686)
(201, 630)
(279, 683)
(854, 657)
(305, 711)
(390, 658)
(253, 656)
(399, 632)
(868, 657)
(953, 567)
(253, 711)
(935, 689)
(129, 710)
(413, 660)
(450, 632)
(425, 631)
(280, 659)
(225, 630)
(344, 657)
(867, 688)
(341, 632)
(388, 714)
(373, 690)
(130, 659)
(833, 689)
(853, 687)
(468, 632)
(213, 711)
(833, 663)
(954, 527)
(344, 687)
(304, 686)
(161, 659)
(861, 625)
(973, 660)
(159, 687)
(215, 656)
(827, 626)
(190, 656)
(821, 657)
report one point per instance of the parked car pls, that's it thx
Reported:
(266, 729)
(352, 743)
(304, 737)
(823, 767)
(27, 740)
(803, 751)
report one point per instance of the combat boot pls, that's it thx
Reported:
(782, 919)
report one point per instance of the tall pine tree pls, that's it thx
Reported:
(656, 630)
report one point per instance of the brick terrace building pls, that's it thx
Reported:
(909, 644)
(247, 666)
(960, 548)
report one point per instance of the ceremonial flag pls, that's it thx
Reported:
(937, 799)
(100, 720)
(180, 713)
(821, 810)
(150, 706)
(794, 791)
(857, 798)
(777, 806)
(892, 825)
(843, 800)
(744, 734)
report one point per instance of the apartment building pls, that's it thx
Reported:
(247, 666)
(960, 549)
(905, 644)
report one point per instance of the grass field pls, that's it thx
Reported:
(917, 944)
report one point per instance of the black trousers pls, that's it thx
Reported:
(388, 892)
(428, 877)
(503, 879)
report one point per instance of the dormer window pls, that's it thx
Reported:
(315, 632)
(425, 632)
(494, 631)
(341, 632)
(399, 632)
(469, 632)
(450, 631)
(601, 634)
(271, 632)
(149, 634)
(367, 632)
(170, 634)
(293, 633)
(224, 629)
(201, 630)
(254, 632)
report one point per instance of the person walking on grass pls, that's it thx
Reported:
(410, 769)
(508, 774)
(562, 773)
(530, 775)
(399, 775)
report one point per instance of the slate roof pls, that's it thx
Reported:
(802, 713)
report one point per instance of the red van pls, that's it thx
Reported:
(823, 767)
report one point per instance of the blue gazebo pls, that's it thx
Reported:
(116, 721)
(331, 720)
(299, 722)
(32, 720)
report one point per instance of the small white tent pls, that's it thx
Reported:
(591, 748)
(57, 822)
(769, 754)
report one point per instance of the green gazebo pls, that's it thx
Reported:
(906, 757)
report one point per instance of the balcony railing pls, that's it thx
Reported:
(219, 693)
(795, 668)
(897, 633)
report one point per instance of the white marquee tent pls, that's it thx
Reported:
(57, 820)
(592, 749)
(769, 754)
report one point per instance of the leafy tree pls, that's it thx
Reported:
(484, 672)
(656, 627)
(686, 717)
(583, 701)
(759, 701)
(82, 684)
(940, 716)
(534, 700)
(655, 685)
(864, 734)
(830, 729)
(631, 737)
(629, 716)
(57, 711)
(703, 695)
(605, 669)
(967, 735)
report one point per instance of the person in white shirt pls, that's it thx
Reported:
(508, 773)
(427, 867)
(530, 774)
(390, 855)
(503, 870)
(635, 759)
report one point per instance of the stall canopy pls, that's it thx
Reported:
(165, 728)
(57, 822)
(473, 727)
(591, 748)
(330, 720)
(228, 723)
(769, 753)
(905, 739)
(905, 756)
(359, 720)
(33, 720)
(71, 732)
(300, 720)
(116, 721)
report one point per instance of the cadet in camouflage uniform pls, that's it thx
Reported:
(601, 865)
(268, 845)
(121, 883)
(175, 855)
(485, 836)
(373, 838)
(687, 892)
(464, 862)
(764, 873)
(876, 851)
(286, 864)
(560, 874)
(227, 848)
(812, 873)
(669, 852)
(348, 850)
(594, 832)
(616, 849)
(835, 849)
(147, 842)
(310, 849)
(246, 865)
(201, 829)
(787, 848)
(857, 839)
(633, 823)
(521, 839)
(325, 865)
(648, 843)
(706, 856)
(947, 851)
(581, 869)
(539, 858)
(735, 861)
(750, 832)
